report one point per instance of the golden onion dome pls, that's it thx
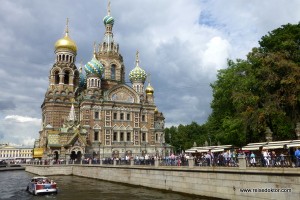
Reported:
(66, 43)
(155, 110)
(149, 89)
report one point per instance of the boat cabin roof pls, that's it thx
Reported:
(40, 177)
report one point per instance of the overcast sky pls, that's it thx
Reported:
(182, 43)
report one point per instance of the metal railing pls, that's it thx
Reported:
(276, 161)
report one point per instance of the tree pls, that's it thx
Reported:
(260, 92)
(184, 136)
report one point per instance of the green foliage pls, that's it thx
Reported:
(184, 136)
(252, 95)
(262, 91)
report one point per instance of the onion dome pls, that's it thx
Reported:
(149, 89)
(108, 19)
(94, 67)
(155, 110)
(66, 42)
(137, 74)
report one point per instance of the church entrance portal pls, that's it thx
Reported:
(76, 156)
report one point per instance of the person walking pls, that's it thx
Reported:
(297, 155)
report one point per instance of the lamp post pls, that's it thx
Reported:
(102, 151)
(125, 149)
(99, 150)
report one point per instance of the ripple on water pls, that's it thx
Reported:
(13, 185)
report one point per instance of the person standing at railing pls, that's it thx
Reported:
(273, 158)
(226, 158)
(252, 159)
(266, 157)
(208, 159)
(282, 159)
(297, 155)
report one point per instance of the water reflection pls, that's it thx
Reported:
(13, 185)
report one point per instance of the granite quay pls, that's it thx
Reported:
(212, 181)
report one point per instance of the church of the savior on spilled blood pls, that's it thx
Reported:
(91, 112)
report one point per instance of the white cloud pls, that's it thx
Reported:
(216, 54)
(19, 130)
(22, 119)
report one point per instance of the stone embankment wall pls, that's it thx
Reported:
(226, 183)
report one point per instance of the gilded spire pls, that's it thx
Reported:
(67, 27)
(108, 8)
(94, 49)
(137, 59)
(80, 68)
(149, 78)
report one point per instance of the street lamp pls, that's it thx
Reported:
(99, 150)
(102, 151)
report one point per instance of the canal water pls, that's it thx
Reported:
(13, 185)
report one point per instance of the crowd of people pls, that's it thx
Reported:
(227, 158)
(281, 158)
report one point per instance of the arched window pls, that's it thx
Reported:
(113, 72)
(122, 136)
(144, 137)
(115, 136)
(138, 88)
(66, 77)
(67, 58)
(103, 74)
(128, 137)
(56, 77)
(76, 78)
(63, 57)
(122, 74)
(92, 85)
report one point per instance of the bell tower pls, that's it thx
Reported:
(63, 81)
(109, 56)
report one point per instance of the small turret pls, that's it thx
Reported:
(138, 76)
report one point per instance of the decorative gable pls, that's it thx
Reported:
(123, 93)
(97, 127)
(144, 129)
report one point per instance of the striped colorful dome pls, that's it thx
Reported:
(137, 74)
(108, 20)
(94, 67)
